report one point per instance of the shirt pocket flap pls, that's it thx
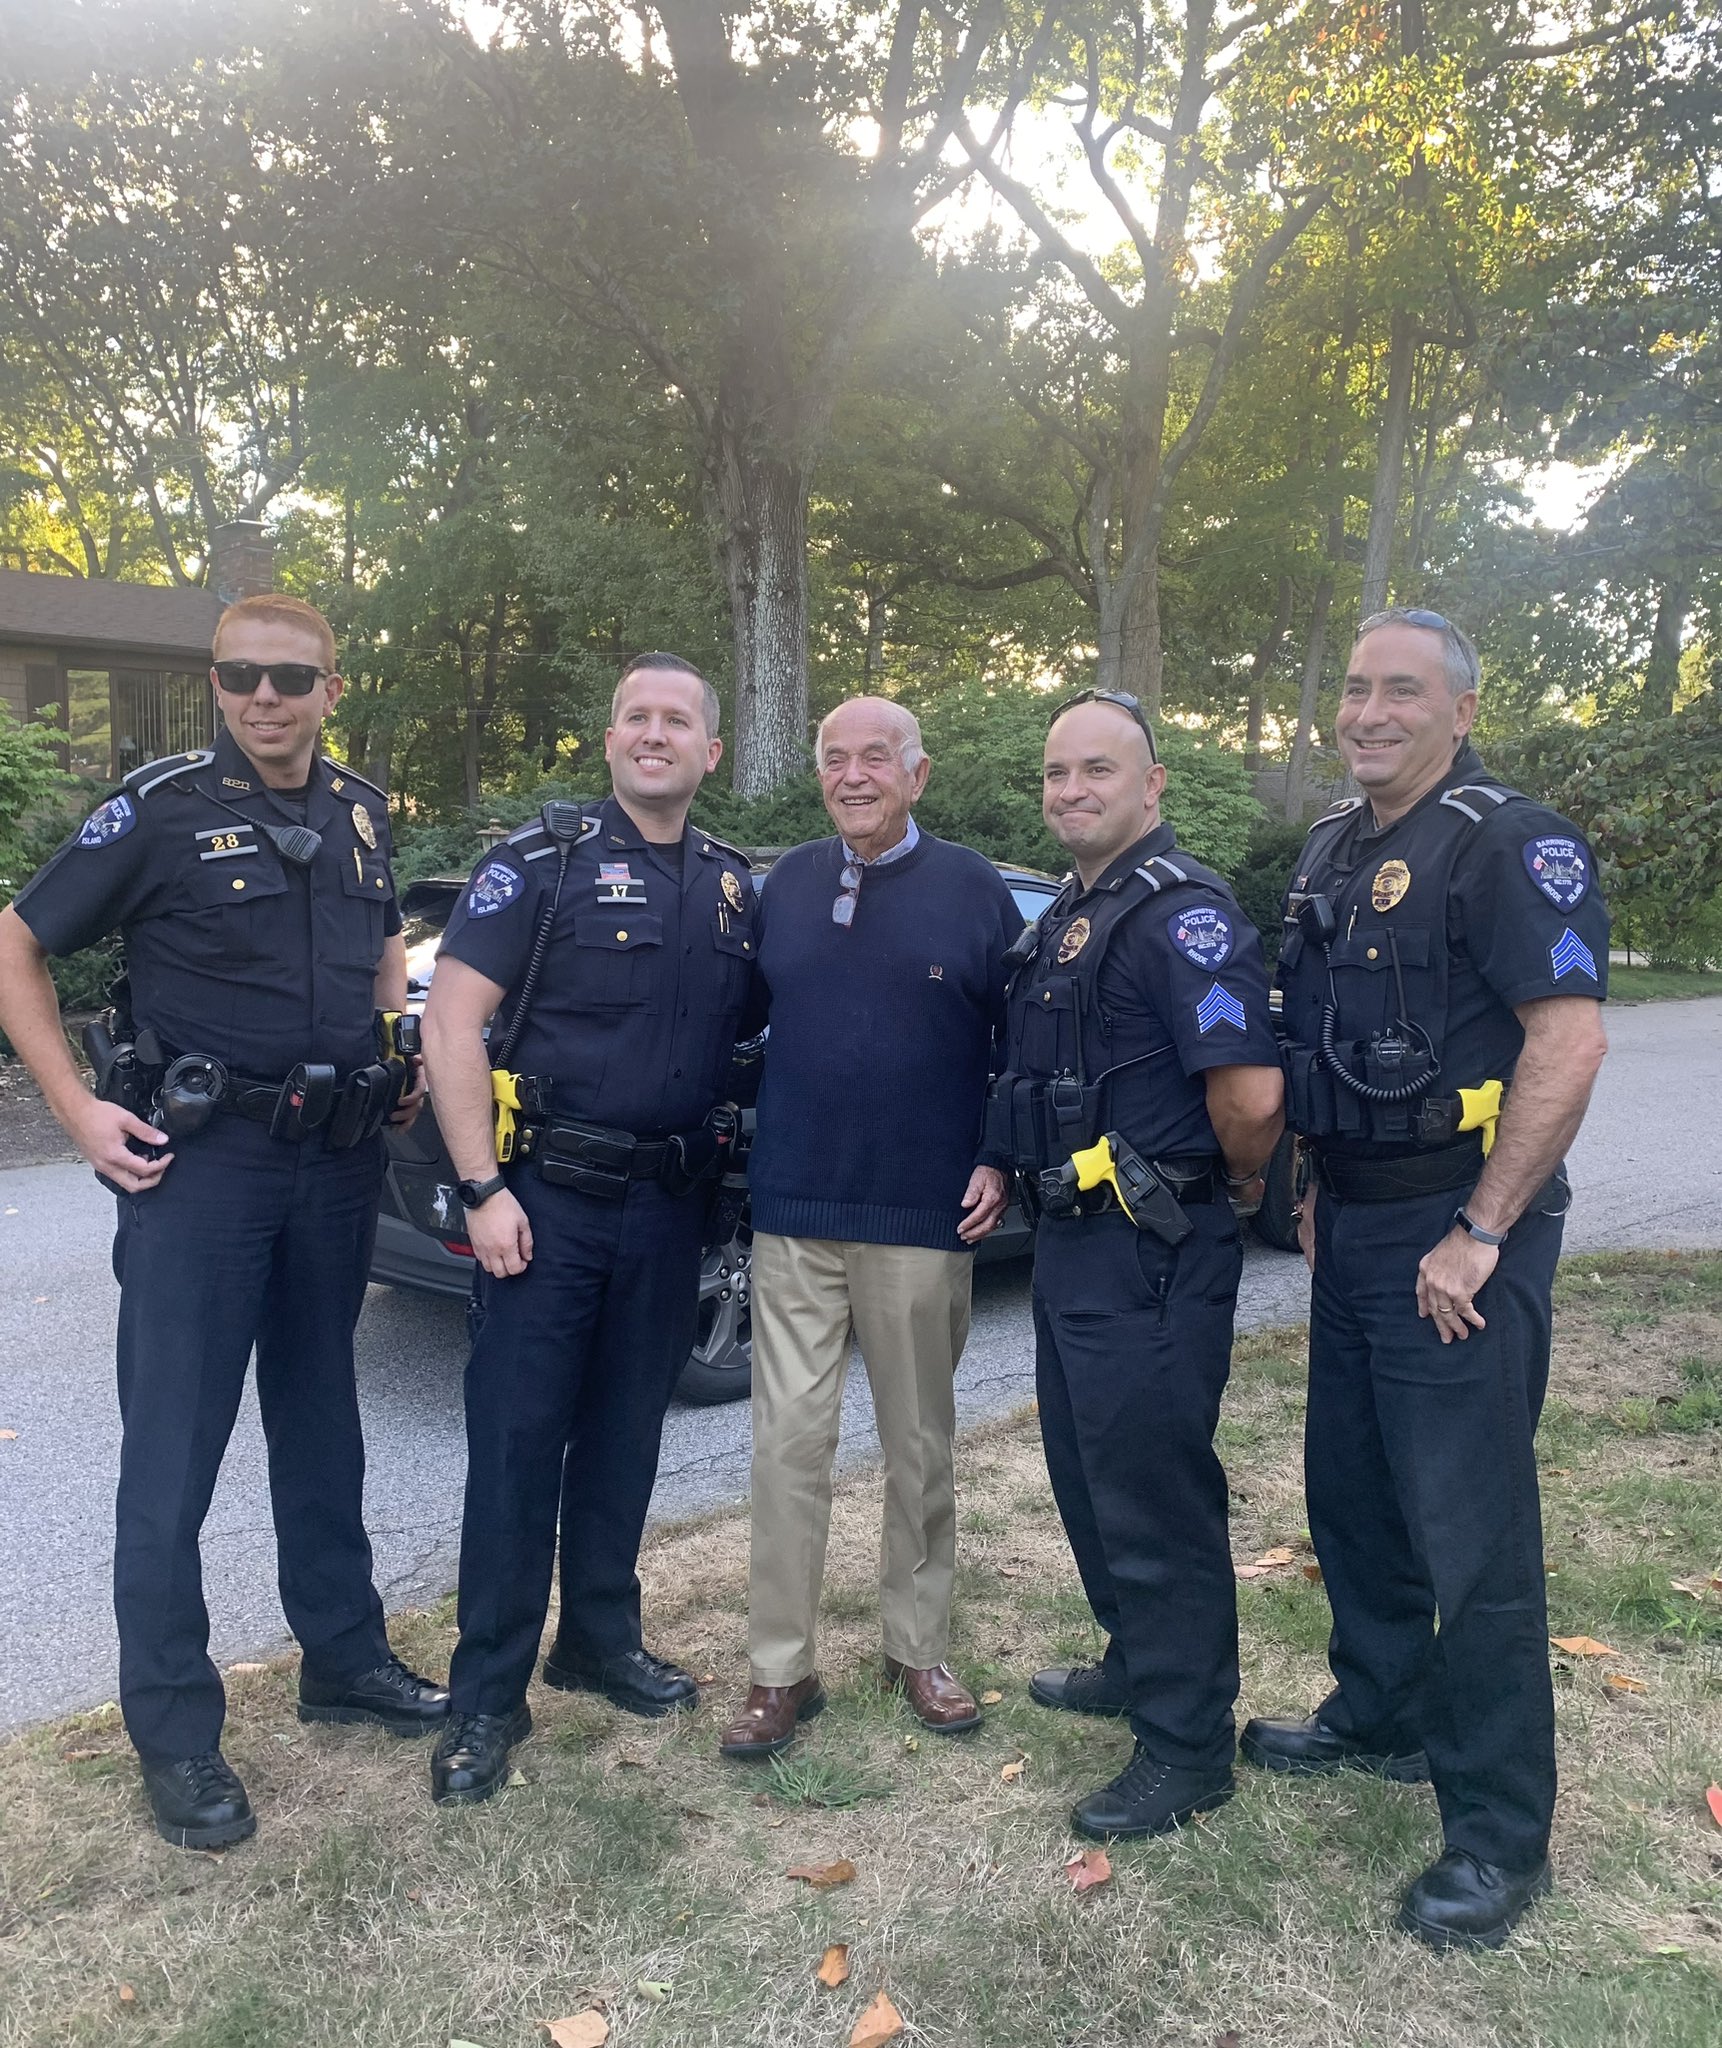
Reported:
(1369, 947)
(368, 876)
(736, 939)
(221, 884)
(618, 931)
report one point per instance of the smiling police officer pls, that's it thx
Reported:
(1142, 1088)
(1445, 957)
(238, 1121)
(615, 947)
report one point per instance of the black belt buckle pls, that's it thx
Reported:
(587, 1157)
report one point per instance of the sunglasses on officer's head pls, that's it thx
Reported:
(1124, 701)
(291, 678)
(1432, 620)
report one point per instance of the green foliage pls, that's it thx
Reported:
(1261, 878)
(1671, 934)
(30, 778)
(1648, 794)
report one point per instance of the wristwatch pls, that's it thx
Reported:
(1476, 1230)
(473, 1192)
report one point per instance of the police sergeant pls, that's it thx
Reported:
(1445, 959)
(615, 945)
(250, 886)
(1141, 1096)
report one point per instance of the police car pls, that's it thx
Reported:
(421, 1241)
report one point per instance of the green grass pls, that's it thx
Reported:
(361, 1917)
(1651, 984)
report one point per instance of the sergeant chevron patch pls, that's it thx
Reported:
(1570, 954)
(1219, 1006)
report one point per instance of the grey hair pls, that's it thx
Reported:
(908, 729)
(675, 666)
(1458, 651)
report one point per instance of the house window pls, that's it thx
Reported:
(89, 723)
(157, 714)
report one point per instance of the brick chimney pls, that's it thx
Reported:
(241, 560)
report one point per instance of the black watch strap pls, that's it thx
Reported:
(1476, 1230)
(474, 1192)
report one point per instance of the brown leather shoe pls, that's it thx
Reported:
(938, 1696)
(766, 1724)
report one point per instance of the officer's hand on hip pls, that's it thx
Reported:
(984, 1199)
(101, 1134)
(1448, 1280)
(413, 1098)
(500, 1236)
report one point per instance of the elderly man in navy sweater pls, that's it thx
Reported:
(881, 972)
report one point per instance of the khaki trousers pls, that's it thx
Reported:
(908, 1308)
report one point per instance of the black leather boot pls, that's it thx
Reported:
(199, 1802)
(470, 1761)
(1310, 1749)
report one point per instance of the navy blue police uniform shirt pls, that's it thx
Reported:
(1182, 979)
(1524, 919)
(637, 1004)
(229, 949)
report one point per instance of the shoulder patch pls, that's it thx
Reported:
(113, 821)
(1560, 867)
(154, 773)
(1203, 934)
(494, 888)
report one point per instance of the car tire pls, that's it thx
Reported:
(1276, 1220)
(720, 1366)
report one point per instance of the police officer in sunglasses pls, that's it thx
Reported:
(242, 1086)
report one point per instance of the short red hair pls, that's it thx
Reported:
(286, 611)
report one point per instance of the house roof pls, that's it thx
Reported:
(88, 616)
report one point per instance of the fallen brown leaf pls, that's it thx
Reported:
(1621, 1683)
(515, 1779)
(881, 2022)
(127, 1995)
(1010, 1571)
(708, 1678)
(1713, 1800)
(834, 1966)
(1582, 1646)
(245, 1670)
(822, 1876)
(991, 1699)
(1312, 1572)
(1092, 1867)
(82, 1756)
(1282, 1553)
(1011, 1772)
(578, 2030)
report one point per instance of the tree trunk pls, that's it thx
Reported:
(1662, 671)
(1265, 656)
(760, 502)
(1141, 657)
(1390, 465)
(1309, 692)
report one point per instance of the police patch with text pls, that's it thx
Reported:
(1202, 935)
(1560, 867)
(113, 821)
(494, 888)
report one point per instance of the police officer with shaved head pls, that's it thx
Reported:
(1442, 972)
(1140, 1102)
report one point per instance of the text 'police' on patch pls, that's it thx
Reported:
(1202, 935)
(1560, 868)
(113, 821)
(494, 888)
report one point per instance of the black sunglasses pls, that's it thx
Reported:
(291, 678)
(1432, 620)
(1124, 701)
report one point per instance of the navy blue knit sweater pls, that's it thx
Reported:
(881, 1035)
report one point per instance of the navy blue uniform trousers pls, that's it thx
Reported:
(1133, 1346)
(1422, 1483)
(573, 1364)
(245, 1240)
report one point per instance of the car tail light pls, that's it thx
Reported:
(459, 1246)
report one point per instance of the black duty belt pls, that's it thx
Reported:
(1354, 1178)
(1194, 1178)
